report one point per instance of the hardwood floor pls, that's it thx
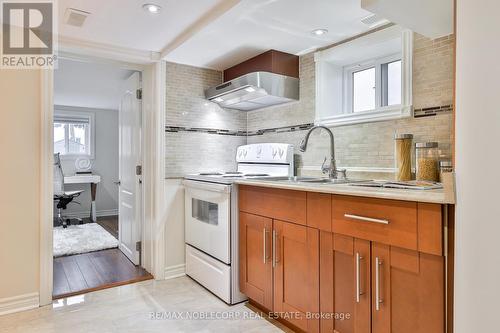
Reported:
(81, 273)
(110, 223)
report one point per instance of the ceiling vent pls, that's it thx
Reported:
(374, 20)
(75, 17)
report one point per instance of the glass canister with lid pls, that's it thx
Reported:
(427, 161)
(403, 156)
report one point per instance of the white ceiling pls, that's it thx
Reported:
(124, 23)
(250, 27)
(89, 85)
(254, 26)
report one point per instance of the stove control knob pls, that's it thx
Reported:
(245, 153)
(259, 152)
(240, 153)
(281, 152)
(275, 152)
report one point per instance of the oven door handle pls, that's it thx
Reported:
(212, 187)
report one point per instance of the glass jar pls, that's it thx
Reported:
(427, 161)
(445, 167)
(403, 156)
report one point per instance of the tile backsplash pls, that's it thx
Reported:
(369, 145)
(189, 151)
(198, 130)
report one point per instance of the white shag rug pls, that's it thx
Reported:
(82, 238)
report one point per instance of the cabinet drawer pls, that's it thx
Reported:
(285, 205)
(386, 221)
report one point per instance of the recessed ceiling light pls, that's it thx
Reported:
(319, 32)
(151, 8)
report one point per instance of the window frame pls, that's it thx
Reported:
(331, 102)
(350, 70)
(78, 116)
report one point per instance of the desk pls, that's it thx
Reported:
(93, 180)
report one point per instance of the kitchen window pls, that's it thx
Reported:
(364, 80)
(373, 85)
(74, 134)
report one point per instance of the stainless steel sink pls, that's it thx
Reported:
(309, 180)
(328, 181)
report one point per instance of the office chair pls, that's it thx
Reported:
(60, 196)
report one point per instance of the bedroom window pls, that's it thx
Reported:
(73, 134)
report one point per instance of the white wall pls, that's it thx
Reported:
(174, 228)
(477, 272)
(105, 164)
(20, 178)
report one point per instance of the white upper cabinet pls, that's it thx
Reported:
(366, 79)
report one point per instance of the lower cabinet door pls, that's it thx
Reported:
(408, 291)
(256, 271)
(345, 288)
(296, 274)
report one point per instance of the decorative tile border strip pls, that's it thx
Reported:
(176, 129)
(417, 113)
(285, 129)
(432, 111)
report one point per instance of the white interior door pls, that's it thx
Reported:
(130, 157)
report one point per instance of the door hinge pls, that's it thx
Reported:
(138, 170)
(138, 93)
(138, 246)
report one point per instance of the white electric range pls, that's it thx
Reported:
(211, 216)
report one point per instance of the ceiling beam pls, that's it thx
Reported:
(217, 11)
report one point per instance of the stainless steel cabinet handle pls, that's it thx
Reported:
(365, 219)
(264, 234)
(378, 300)
(274, 248)
(358, 277)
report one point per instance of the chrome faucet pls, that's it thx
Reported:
(330, 169)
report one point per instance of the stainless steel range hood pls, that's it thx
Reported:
(255, 91)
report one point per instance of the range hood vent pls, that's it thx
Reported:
(269, 78)
(255, 91)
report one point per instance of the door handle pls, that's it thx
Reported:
(264, 235)
(275, 237)
(365, 219)
(358, 277)
(378, 299)
(118, 183)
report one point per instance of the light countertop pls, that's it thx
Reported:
(439, 196)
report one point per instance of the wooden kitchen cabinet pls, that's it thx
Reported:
(398, 290)
(409, 289)
(256, 271)
(296, 283)
(345, 284)
(363, 265)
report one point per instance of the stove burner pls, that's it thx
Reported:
(256, 175)
(210, 174)
(233, 173)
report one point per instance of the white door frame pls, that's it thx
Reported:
(153, 127)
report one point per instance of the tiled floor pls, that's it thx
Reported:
(130, 309)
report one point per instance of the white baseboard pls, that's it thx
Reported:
(85, 214)
(175, 271)
(19, 303)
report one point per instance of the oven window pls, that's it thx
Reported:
(205, 211)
